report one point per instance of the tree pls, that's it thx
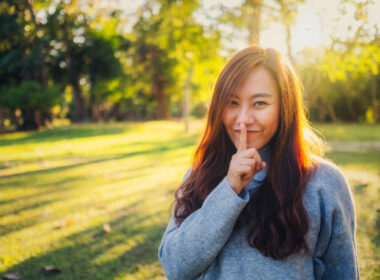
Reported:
(23, 58)
(164, 34)
(251, 11)
(248, 17)
(286, 13)
(103, 66)
(65, 32)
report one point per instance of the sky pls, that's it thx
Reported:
(316, 21)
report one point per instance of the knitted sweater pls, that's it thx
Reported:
(205, 246)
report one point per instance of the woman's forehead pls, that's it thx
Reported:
(258, 83)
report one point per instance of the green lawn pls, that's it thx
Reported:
(93, 199)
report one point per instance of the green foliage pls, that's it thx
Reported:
(341, 82)
(172, 52)
(344, 64)
(31, 95)
(86, 52)
(102, 62)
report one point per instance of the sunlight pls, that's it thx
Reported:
(307, 33)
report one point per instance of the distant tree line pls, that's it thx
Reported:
(77, 59)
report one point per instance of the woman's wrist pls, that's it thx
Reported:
(235, 189)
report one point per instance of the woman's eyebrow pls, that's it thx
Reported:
(256, 95)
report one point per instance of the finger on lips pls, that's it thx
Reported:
(249, 159)
(243, 138)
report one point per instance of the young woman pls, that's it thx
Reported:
(259, 202)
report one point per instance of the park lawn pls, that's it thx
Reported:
(349, 132)
(93, 200)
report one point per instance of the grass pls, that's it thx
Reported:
(349, 132)
(93, 199)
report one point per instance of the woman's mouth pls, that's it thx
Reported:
(248, 131)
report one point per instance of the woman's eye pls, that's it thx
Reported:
(233, 102)
(259, 103)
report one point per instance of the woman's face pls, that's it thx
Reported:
(256, 104)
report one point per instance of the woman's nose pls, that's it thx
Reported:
(244, 116)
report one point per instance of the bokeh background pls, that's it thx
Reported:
(102, 104)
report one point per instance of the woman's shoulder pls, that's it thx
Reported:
(327, 177)
(326, 167)
(329, 189)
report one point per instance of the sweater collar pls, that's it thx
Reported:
(265, 153)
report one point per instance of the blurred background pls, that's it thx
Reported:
(137, 60)
(102, 104)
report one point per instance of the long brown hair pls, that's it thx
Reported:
(275, 217)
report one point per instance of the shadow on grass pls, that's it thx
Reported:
(82, 257)
(80, 254)
(12, 227)
(29, 207)
(51, 188)
(69, 133)
(159, 148)
(30, 220)
(58, 188)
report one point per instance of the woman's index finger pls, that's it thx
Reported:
(243, 138)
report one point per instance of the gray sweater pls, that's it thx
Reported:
(205, 246)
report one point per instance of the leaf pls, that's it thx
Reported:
(68, 221)
(44, 214)
(12, 276)
(107, 228)
(51, 270)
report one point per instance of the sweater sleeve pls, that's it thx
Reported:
(186, 251)
(336, 247)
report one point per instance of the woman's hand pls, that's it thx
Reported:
(244, 164)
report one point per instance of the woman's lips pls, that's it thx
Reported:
(248, 131)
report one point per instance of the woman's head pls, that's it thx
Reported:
(256, 104)
(276, 104)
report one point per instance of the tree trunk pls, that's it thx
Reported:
(29, 122)
(288, 44)
(2, 118)
(350, 107)
(94, 110)
(163, 108)
(159, 90)
(332, 114)
(187, 99)
(95, 115)
(105, 112)
(47, 118)
(322, 113)
(78, 101)
(117, 112)
(14, 119)
(254, 20)
(42, 66)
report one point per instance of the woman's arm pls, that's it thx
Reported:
(186, 251)
(336, 247)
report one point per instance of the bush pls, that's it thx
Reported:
(31, 95)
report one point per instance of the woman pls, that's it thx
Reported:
(259, 202)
